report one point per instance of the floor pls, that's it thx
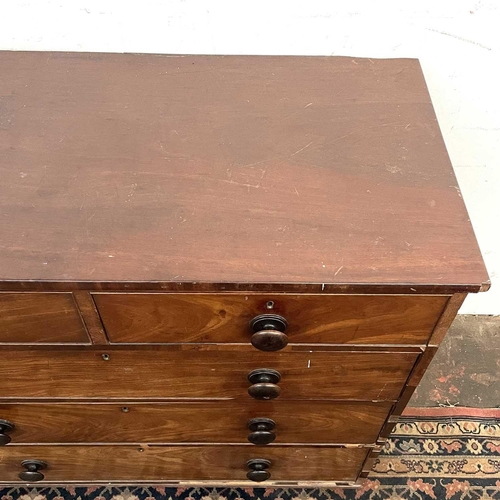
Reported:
(466, 369)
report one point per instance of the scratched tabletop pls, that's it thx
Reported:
(320, 173)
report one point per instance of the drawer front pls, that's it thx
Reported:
(90, 464)
(40, 318)
(195, 422)
(326, 319)
(201, 372)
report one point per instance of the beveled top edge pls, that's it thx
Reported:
(203, 287)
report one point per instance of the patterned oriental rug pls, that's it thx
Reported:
(445, 457)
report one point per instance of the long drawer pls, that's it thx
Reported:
(332, 422)
(324, 319)
(91, 464)
(210, 372)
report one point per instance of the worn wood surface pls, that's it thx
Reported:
(40, 318)
(90, 317)
(194, 422)
(154, 173)
(193, 372)
(97, 463)
(247, 170)
(326, 319)
(447, 318)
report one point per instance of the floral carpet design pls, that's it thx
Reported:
(445, 458)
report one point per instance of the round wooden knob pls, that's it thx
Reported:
(264, 382)
(262, 431)
(32, 473)
(5, 427)
(269, 340)
(269, 332)
(258, 472)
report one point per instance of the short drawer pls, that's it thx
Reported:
(335, 422)
(91, 464)
(219, 318)
(193, 371)
(35, 318)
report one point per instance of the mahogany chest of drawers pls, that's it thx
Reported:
(218, 270)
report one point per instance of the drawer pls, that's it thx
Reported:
(91, 464)
(40, 318)
(200, 372)
(218, 318)
(195, 422)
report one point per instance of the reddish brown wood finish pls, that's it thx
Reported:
(447, 318)
(194, 422)
(323, 319)
(206, 287)
(193, 372)
(423, 362)
(40, 318)
(91, 317)
(266, 177)
(216, 463)
(415, 377)
(246, 170)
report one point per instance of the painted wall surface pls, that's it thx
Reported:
(457, 42)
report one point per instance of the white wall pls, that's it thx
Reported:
(457, 41)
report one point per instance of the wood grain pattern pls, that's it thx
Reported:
(324, 319)
(228, 182)
(412, 383)
(210, 169)
(40, 318)
(91, 318)
(194, 422)
(192, 372)
(415, 377)
(447, 318)
(131, 463)
(421, 366)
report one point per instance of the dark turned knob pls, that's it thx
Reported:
(258, 472)
(264, 382)
(32, 474)
(262, 430)
(268, 332)
(5, 427)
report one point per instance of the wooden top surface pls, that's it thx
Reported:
(227, 169)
